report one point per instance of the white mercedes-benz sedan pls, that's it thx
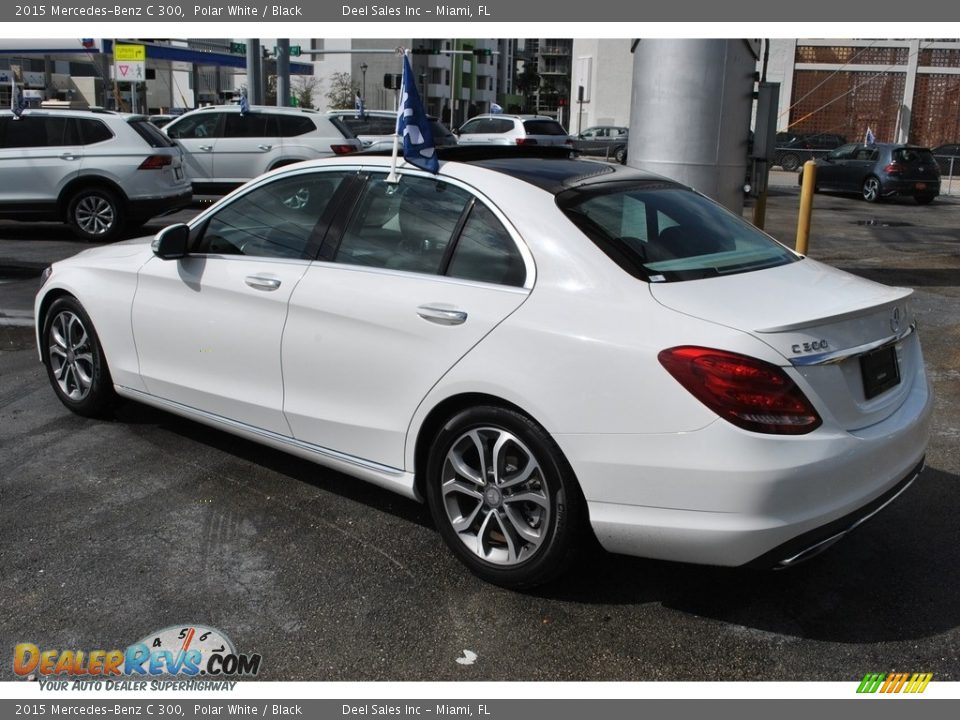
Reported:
(538, 347)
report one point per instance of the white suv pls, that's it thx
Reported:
(225, 147)
(498, 129)
(375, 130)
(99, 171)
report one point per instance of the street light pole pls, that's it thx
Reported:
(363, 72)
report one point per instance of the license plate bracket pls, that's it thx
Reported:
(880, 371)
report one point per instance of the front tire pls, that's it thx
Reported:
(504, 498)
(74, 359)
(95, 215)
(871, 189)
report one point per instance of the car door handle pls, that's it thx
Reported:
(258, 282)
(206, 147)
(265, 147)
(442, 316)
(68, 156)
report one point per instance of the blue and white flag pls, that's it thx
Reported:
(244, 103)
(16, 97)
(870, 138)
(414, 127)
(358, 104)
(495, 109)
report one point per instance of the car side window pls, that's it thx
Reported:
(486, 252)
(202, 125)
(403, 226)
(92, 131)
(276, 220)
(294, 125)
(471, 127)
(250, 125)
(845, 152)
(501, 125)
(37, 131)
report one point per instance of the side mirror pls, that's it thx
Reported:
(171, 242)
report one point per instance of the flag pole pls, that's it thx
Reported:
(393, 177)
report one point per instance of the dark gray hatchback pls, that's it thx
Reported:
(879, 171)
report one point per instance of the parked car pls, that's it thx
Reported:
(532, 345)
(98, 171)
(161, 120)
(948, 158)
(500, 129)
(375, 130)
(608, 141)
(879, 171)
(226, 147)
(794, 149)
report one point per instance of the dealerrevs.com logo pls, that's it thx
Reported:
(181, 651)
(887, 683)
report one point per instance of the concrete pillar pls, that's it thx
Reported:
(254, 75)
(690, 113)
(909, 87)
(283, 72)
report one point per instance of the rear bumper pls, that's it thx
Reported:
(152, 206)
(722, 496)
(909, 187)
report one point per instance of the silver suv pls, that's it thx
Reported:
(99, 171)
(225, 147)
(498, 129)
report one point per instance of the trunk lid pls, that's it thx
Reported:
(849, 340)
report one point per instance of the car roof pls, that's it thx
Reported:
(254, 108)
(548, 168)
(512, 116)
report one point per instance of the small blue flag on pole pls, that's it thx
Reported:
(870, 138)
(414, 127)
(244, 103)
(358, 105)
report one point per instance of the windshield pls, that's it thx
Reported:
(663, 233)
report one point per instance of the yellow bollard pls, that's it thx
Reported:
(806, 205)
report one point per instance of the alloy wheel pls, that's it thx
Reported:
(71, 356)
(94, 214)
(871, 189)
(495, 496)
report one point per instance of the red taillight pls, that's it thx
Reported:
(342, 149)
(155, 162)
(893, 169)
(526, 141)
(750, 393)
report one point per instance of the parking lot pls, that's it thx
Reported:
(113, 529)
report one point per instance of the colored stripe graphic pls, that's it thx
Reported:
(871, 682)
(894, 682)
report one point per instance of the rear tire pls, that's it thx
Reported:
(924, 199)
(620, 155)
(871, 189)
(76, 366)
(504, 498)
(95, 214)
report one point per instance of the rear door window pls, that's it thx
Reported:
(486, 252)
(543, 127)
(250, 125)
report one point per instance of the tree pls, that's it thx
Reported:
(341, 94)
(304, 86)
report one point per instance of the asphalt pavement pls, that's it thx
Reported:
(114, 528)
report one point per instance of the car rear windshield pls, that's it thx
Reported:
(911, 156)
(543, 127)
(663, 233)
(151, 133)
